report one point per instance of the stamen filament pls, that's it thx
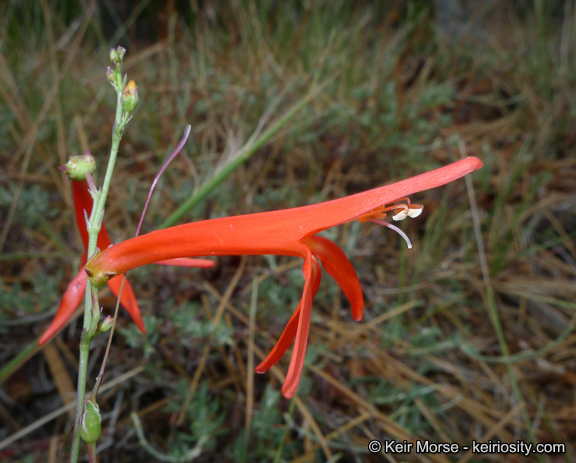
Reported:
(396, 229)
(380, 212)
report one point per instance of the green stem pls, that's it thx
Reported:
(278, 454)
(91, 453)
(117, 133)
(91, 308)
(80, 392)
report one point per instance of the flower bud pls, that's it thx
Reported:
(91, 423)
(106, 324)
(78, 166)
(110, 75)
(130, 97)
(117, 55)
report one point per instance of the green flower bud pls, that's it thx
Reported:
(110, 75)
(91, 423)
(78, 166)
(106, 324)
(130, 97)
(117, 55)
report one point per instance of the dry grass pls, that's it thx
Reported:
(469, 336)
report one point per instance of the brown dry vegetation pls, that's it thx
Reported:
(468, 336)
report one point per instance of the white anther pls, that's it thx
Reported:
(415, 211)
(401, 215)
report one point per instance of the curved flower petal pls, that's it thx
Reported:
(283, 343)
(340, 268)
(128, 300)
(83, 202)
(311, 269)
(289, 332)
(69, 303)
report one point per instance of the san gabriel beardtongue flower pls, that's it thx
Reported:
(76, 288)
(289, 232)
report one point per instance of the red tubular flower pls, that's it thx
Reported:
(76, 288)
(289, 232)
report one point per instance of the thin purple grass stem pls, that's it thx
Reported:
(162, 169)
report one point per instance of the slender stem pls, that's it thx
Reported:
(91, 308)
(100, 376)
(91, 453)
(117, 132)
(85, 340)
(288, 418)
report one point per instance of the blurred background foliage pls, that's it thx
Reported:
(468, 336)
